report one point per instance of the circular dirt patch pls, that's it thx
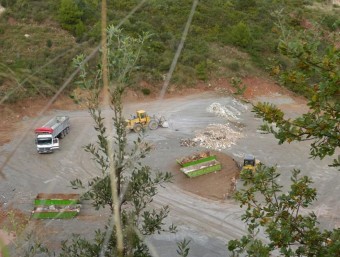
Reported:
(217, 185)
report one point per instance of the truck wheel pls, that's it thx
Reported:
(137, 128)
(153, 125)
(63, 133)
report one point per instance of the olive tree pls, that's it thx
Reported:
(278, 215)
(312, 69)
(136, 184)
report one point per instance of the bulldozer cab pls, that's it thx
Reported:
(249, 165)
(141, 114)
(249, 160)
(142, 117)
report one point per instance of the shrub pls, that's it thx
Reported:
(146, 91)
(79, 29)
(238, 85)
(240, 35)
(49, 43)
(202, 70)
(332, 22)
(184, 75)
(234, 66)
(242, 4)
(69, 15)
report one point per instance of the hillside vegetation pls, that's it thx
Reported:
(235, 38)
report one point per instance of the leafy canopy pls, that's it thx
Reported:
(312, 67)
(315, 70)
(136, 184)
(278, 215)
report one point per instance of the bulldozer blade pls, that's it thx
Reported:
(165, 124)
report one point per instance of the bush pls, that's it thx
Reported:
(242, 4)
(146, 91)
(79, 29)
(332, 22)
(39, 17)
(49, 43)
(201, 71)
(234, 66)
(240, 35)
(184, 75)
(69, 15)
(238, 85)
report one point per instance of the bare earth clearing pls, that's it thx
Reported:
(200, 207)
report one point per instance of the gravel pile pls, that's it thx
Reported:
(187, 142)
(57, 208)
(217, 137)
(194, 157)
(220, 136)
(230, 112)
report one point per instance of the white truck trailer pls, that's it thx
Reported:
(47, 136)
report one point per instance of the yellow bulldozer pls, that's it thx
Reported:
(250, 163)
(142, 120)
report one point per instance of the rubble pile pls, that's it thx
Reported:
(217, 137)
(239, 105)
(227, 112)
(187, 142)
(223, 91)
(220, 136)
(194, 157)
(58, 208)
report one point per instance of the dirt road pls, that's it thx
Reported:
(208, 223)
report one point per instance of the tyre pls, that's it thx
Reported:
(153, 125)
(137, 128)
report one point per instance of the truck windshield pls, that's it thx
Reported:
(44, 141)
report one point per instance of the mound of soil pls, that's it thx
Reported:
(217, 185)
